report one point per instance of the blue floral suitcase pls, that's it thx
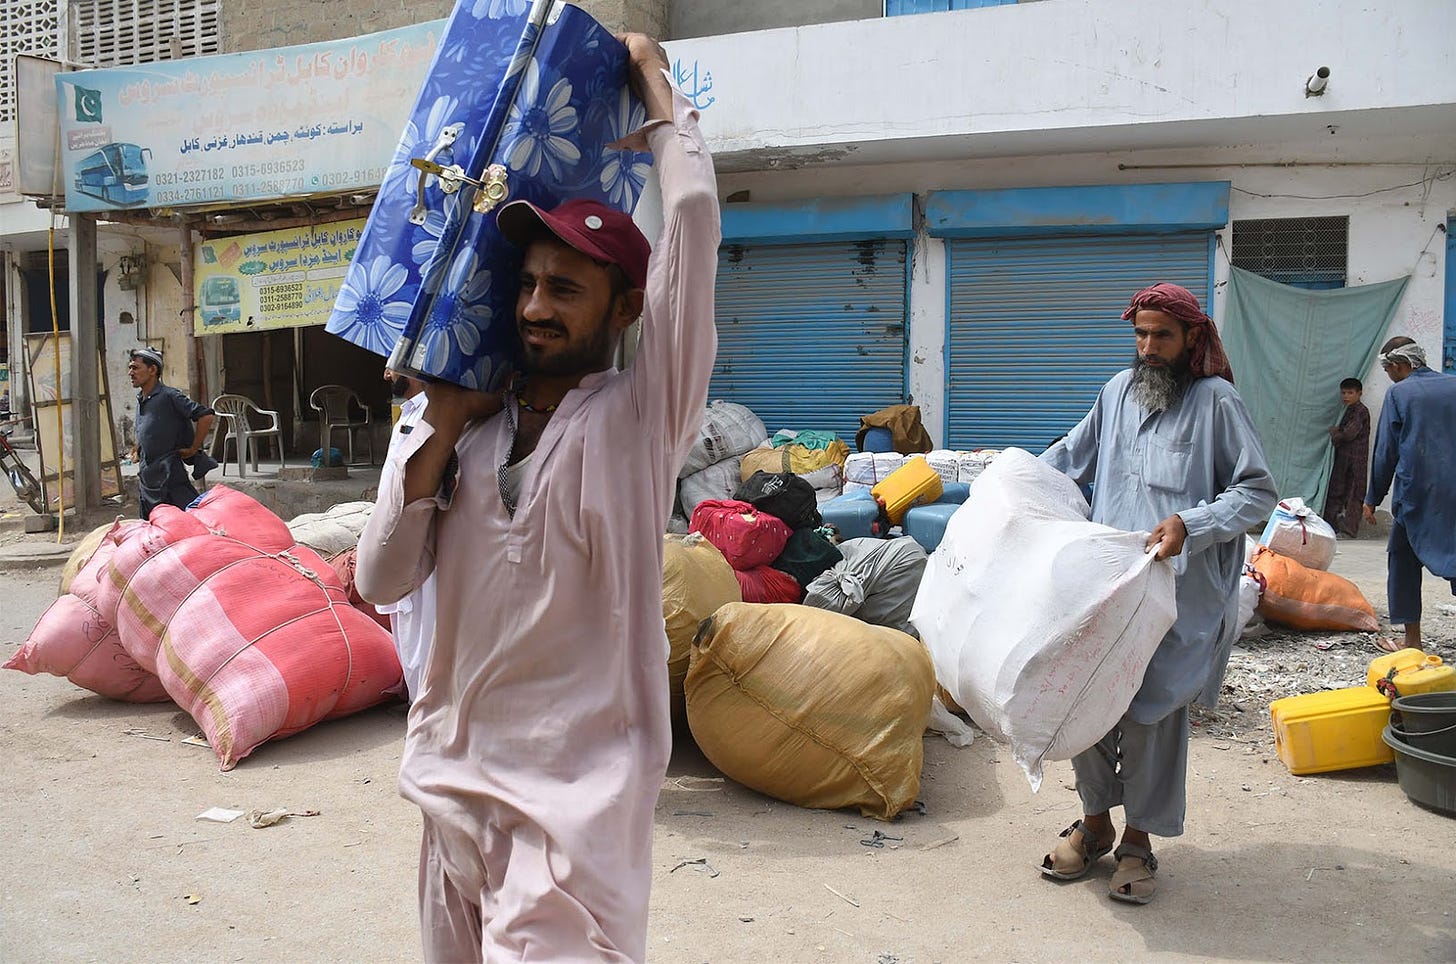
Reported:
(518, 104)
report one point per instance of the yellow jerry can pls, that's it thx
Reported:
(1407, 672)
(914, 483)
(1334, 730)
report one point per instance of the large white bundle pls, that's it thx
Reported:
(1040, 622)
(887, 464)
(859, 469)
(718, 481)
(331, 532)
(972, 464)
(728, 430)
(946, 463)
(1296, 531)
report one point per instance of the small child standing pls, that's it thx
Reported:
(1343, 504)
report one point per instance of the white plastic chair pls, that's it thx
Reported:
(236, 412)
(340, 407)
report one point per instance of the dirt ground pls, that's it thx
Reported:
(104, 859)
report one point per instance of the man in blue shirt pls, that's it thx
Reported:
(170, 429)
(1415, 448)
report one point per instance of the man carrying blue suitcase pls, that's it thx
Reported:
(540, 736)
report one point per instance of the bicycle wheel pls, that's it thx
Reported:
(23, 482)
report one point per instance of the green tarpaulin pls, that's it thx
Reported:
(1290, 348)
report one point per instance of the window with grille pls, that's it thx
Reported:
(26, 27)
(1303, 252)
(109, 33)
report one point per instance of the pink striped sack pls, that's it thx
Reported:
(72, 638)
(747, 537)
(255, 643)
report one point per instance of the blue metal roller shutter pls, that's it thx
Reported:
(811, 336)
(1036, 326)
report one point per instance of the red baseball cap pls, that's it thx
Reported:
(600, 232)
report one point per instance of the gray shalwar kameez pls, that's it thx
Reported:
(1202, 460)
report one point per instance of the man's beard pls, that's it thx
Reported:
(592, 355)
(1157, 387)
(398, 385)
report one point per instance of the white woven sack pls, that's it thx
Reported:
(887, 464)
(859, 469)
(1040, 623)
(331, 532)
(1296, 531)
(946, 463)
(830, 478)
(728, 430)
(715, 482)
(974, 463)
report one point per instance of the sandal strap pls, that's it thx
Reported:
(1139, 852)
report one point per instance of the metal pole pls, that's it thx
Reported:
(196, 367)
(85, 375)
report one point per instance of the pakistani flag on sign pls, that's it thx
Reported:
(88, 104)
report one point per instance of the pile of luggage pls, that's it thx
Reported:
(222, 610)
(732, 445)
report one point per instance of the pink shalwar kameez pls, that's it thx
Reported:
(540, 737)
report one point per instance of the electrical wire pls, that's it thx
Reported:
(1336, 197)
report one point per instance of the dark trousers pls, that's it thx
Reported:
(1344, 504)
(1403, 573)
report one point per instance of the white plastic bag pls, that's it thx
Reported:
(728, 430)
(1249, 593)
(718, 481)
(1297, 532)
(1040, 622)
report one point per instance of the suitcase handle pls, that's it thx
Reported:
(450, 177)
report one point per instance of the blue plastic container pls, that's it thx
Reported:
(854, 514)
(879, 440)
(954, 493)
(926, 523)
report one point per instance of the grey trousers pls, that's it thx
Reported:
(1141, 767)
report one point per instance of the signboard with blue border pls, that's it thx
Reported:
(260, 126)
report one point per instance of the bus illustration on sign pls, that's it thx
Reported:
(115, 173)
(220, 302)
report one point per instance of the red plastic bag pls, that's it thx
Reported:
(747, 537)
(765, 584)
(343, 564)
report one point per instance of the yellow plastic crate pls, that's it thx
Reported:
(1407, 672)
(1335, 730)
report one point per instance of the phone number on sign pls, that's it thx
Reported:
(188, 195)
(291, 166)
(363, 178)
(163, 178)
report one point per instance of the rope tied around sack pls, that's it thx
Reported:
(297, 563)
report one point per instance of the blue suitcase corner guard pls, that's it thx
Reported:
(926, 523)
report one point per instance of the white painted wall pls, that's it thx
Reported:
(1143, 72)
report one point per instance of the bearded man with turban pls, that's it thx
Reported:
(1170, 450)
(1415, 450)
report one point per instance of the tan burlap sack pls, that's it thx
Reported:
(81, 555)
(811, 707)
(696, 580)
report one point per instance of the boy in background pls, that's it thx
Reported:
(1352, 455)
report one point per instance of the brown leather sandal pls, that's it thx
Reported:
(1133, 882)
(1074, 854)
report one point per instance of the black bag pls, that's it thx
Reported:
(784, 496)
(807, 556)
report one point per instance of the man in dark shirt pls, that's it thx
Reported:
(170, 429)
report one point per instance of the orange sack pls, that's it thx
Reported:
(1304, 598)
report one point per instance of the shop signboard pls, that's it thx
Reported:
(277, 279)
(242, 128)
